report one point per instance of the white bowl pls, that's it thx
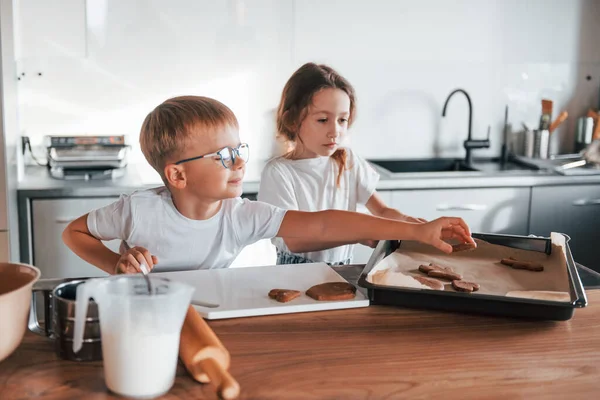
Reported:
(16, 281)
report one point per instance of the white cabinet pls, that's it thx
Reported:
(50, 254)
(363, 253)
(486, 210)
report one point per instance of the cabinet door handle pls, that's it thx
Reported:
(587, 202)
(462, 207)
(64, 220)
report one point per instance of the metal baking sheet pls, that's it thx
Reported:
(477, 302)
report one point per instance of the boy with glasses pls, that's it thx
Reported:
(198, 220)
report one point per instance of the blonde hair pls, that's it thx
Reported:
(297, 96)
(168, 128)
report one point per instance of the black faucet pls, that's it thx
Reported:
(469, 144)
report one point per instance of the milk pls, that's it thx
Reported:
(139, 365)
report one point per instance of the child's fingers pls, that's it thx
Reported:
(459, 225)
(131, 270)
(147, 257)
(120, 268)
(464, 237)
(141, 258)
(124, 268)
(460, 233)
(443, 246)
(154, 260)
(456, 221)
(132, 260)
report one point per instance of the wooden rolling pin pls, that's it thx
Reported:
(205, 357)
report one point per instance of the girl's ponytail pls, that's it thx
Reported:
(340, 157)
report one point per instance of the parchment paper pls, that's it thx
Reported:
(482, 266)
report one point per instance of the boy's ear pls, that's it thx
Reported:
(175, 175)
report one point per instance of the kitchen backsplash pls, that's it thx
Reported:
(98, 67)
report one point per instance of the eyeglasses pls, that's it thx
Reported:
(227, 155)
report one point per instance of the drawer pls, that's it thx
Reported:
(487, 210)
(50, 254)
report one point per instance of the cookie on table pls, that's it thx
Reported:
(283, 295)
(331, 291)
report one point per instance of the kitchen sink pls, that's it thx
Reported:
(424, 165)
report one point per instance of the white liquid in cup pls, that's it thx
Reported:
(139, 365)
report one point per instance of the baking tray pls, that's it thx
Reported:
(475, 303)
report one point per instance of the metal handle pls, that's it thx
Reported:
(65, 220)
(463, 207)
(586, 202)
(44, 288)
(34, 321)
(575, 282)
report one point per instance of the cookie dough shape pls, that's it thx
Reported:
(463, 247)
(331, 291)
(527, 265)
(435, 271)
(463, 286)
(283, 295)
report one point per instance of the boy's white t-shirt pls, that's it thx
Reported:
(148, 218)
(310, 185)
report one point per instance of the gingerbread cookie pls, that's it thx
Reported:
(435, 271)
(427, 268)
(463, 247)
(332, 291)
(527, 265)
(446, 273)
(283, 295)
(463, 286)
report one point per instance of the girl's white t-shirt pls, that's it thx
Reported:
(310, 185)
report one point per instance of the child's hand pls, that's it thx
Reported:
(130, 261)
(438, 230)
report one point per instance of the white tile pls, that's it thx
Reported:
(400, 108)
(403, 57)
(431, 30)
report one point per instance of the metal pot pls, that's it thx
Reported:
(58, 296)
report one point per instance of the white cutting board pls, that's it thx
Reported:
(243, 292)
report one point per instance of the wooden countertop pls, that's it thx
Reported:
(374, 352)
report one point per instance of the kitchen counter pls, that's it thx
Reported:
(521, 190)
(373, 352)
(37, 183)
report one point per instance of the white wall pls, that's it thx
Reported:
(10, 160)
(106, 64)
